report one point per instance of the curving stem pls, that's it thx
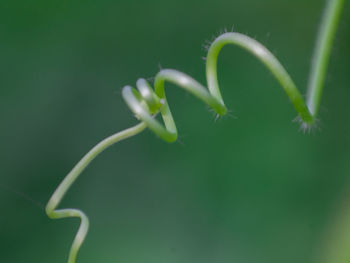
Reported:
(67, 182)
(145, 103)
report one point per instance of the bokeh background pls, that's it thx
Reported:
(246, 188)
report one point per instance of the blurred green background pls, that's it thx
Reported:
(246, 189)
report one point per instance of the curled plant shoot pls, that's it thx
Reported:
(146, 102)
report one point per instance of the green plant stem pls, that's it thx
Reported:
(140, 105)
(145, 102)
(322, 53)
(67, 182)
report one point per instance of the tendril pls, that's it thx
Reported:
(146, 102)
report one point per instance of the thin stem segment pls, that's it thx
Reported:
(67, 182)
(322, 53)
(145, 103)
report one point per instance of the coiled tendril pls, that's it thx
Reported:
(145, 102)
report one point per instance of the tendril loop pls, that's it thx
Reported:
(145, 103)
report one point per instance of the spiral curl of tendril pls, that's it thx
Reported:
(145, 102)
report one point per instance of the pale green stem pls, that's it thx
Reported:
(146, 102)
(322, 53)
(67, 182)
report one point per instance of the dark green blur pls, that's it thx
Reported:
(247, 188)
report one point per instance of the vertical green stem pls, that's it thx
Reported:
(322, 53)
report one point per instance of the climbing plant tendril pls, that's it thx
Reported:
(145, 102)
